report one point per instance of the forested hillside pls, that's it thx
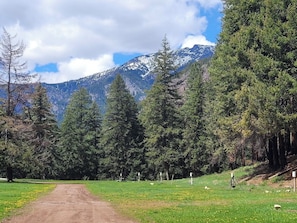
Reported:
(237, 108)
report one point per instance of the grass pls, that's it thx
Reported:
(178, 201)
(16, 195)
(175, 201)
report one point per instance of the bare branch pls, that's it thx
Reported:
(13, 72)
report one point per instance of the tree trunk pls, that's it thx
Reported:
(272, 154)
(282, 151)
(254, 155)
(269, 153)
(242, 156)
(287, 143)
(8, 107)
(167, 175)
(293, 142)
(9, 174)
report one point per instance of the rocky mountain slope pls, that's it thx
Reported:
(137, 74)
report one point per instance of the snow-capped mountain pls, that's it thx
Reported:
(137, 74)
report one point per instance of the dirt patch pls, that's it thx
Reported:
(69, 203)
(281, 178)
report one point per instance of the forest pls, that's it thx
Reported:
(238, 108)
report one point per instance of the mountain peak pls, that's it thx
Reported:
(137, 74)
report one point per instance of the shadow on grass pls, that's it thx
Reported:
(26, 181)
(41, 181)
(264, 172)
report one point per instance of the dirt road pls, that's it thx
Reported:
(69, 203)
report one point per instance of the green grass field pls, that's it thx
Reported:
(16, 195)
(176, 201)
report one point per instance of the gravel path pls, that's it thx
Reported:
(68, 203)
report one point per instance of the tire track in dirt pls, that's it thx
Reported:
(69, 203)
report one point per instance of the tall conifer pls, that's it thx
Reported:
(80, 130)
(195, 152)
(254, 81)
(159, 116)
(122, 134)
(45, 133)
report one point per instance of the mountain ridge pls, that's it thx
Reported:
(137, 74)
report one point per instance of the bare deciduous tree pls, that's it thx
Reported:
(13, 72)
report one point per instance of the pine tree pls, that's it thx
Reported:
(15, 146)
(94, 153)
(253, 80)
(122, 133)
(196, 155)
(45, 134)
(16, 81)
(80, 130)
(160, 118)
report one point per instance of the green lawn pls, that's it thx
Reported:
(16, 195)
(175, 201)
(178, 201)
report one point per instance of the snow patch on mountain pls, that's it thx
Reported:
(97, 76)
(132, 87)
(137, 74)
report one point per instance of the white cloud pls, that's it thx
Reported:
(190, 41)
(209, 3)
(57, 30)
(76, 68)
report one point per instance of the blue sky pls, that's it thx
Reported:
(213, 28)
(70, 39)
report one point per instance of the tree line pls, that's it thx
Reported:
(237, 108)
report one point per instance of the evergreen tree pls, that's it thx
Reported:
(160, 118)
(16, 150)
(45, 134)
(253, 80)
(80, 130)
(122, 133)
(196, 155)
(93, 154)
(16, 81)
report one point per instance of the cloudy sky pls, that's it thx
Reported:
(70, 39)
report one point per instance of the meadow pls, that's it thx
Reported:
(14, 196)
(209, 199)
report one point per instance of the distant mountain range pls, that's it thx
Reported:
(137, 74)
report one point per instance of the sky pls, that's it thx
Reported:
(70, 39)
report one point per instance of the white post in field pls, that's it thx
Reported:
(294, 179)
(191, 176)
